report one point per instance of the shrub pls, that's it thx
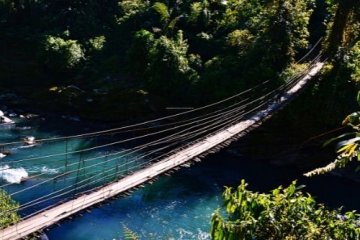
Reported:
(352, 62)
(284, 213)
(59, 54)
(7, 217)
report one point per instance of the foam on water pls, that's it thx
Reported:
(44, 170)
(24, 128)
(28, 146)
(5, 126)
(13, 175)
(47, 170)
(186, 234)
(203, 235)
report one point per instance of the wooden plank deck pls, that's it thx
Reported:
(53, 215)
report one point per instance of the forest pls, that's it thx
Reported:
(136, 57)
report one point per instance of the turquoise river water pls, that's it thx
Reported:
(174, 207)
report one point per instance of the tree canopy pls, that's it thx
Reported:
(204, 49)
(177, 52)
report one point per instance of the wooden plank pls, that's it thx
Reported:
(64, 210)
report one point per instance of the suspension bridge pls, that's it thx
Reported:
(96, 166)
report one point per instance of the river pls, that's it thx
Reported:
(173, 207)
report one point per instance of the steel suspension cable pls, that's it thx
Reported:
(142, 156)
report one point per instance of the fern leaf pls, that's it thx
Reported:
(129, 234)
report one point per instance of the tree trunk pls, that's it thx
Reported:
(337, 34)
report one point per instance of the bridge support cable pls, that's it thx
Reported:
(160, 131)
(236, 120)
(107, 145)
(101, 163)
(201, 131)
(193, 126)
(86, 183)
(68, 165)
(189, 122)
(59, 212)
(232, 112)
(152, 121)
(77, 151)
(221, 121)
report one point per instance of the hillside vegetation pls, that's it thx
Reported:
(133, 57)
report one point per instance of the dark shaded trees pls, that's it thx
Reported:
(206, 49)
(343, 27)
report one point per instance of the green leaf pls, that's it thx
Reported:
(162, 10)
(347, 142)
(284, 213)
(353, 134)
(173, 22)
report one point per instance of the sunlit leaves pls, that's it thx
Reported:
(292, 71)
(61, 54)
(97, 43)
(240, 39)
(352, 62)
(130, 8)
(284, 213)
(169, 70)
(7, 217)
(288, 28)
(162, 10)
(173, 52)
(195, 11)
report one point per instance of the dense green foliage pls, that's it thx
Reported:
(344, 37)
(352, 62)
(140, 52)
(332, 96)
(340, 81)
(284, 213)
(113, 58)
(7, 217)
(59, 54)
(127, 57)
(343, 26)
